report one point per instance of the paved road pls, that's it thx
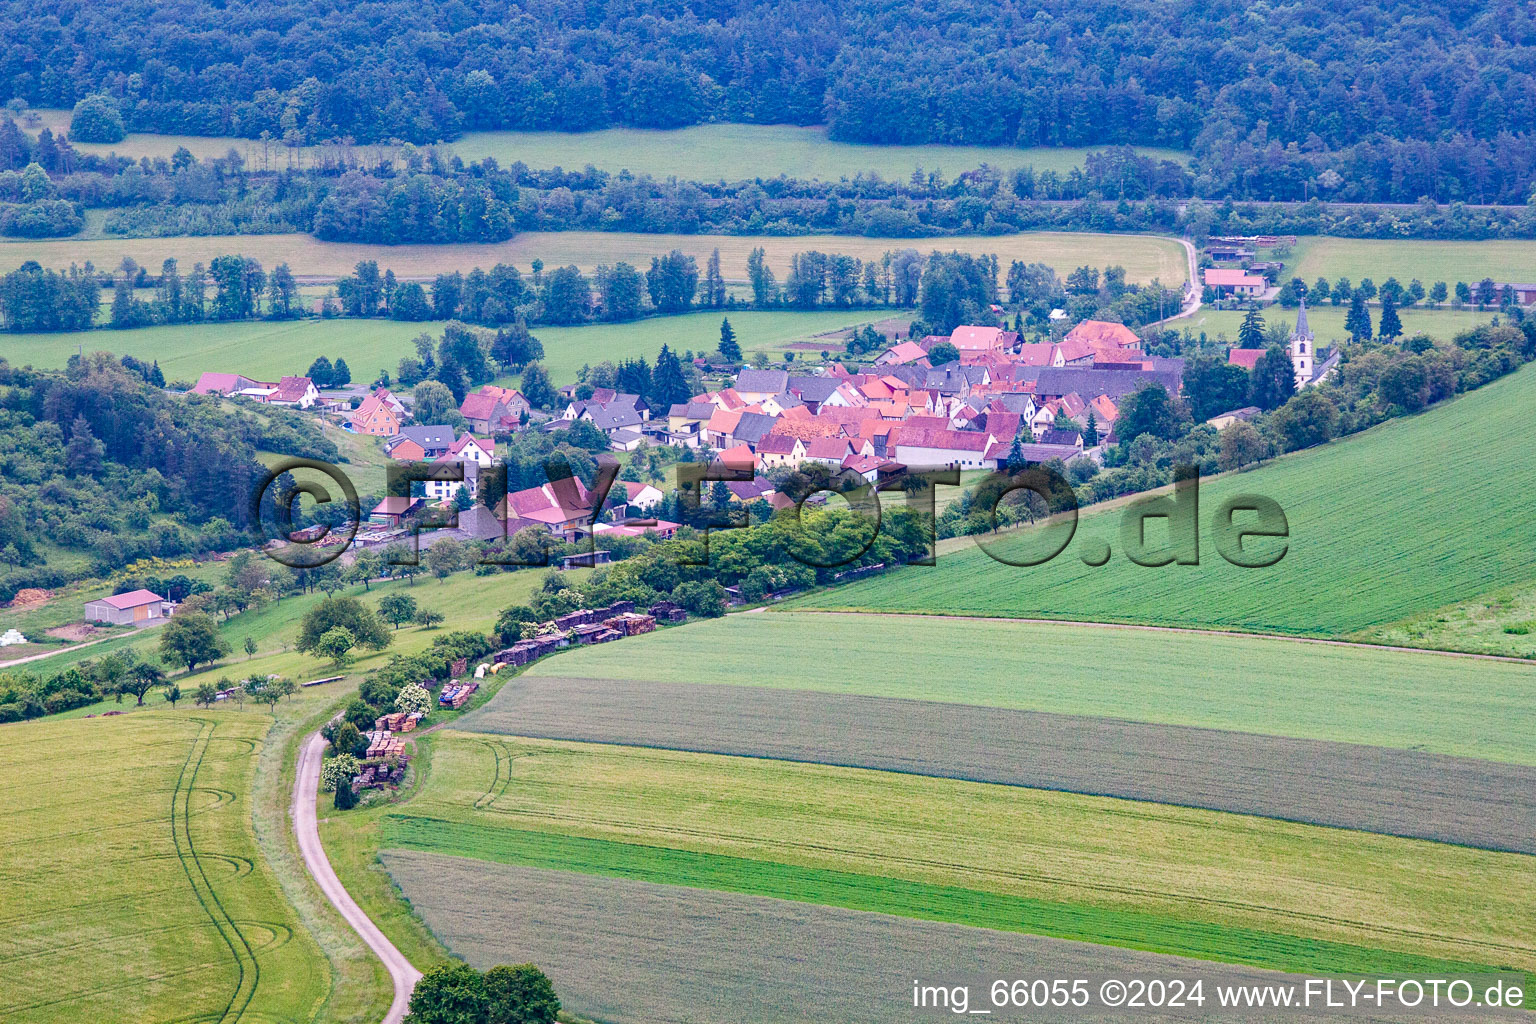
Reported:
(1344, 785)
(1192, 289)
(307, 829)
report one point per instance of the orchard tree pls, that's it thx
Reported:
(429, 619)
(191, 639)
(349, 612)
(336, 644)
(397, 608)
(207, 695)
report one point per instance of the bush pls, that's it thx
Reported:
(414, 700)
(337, 770)
(97, 119)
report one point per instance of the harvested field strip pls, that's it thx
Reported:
(885, 895)
(1455, 706)
(1235, 871)
(1144, 256)
(673, 954)
(1374, 789)
(1407, 517)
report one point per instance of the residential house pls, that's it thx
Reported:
(470, 452)
(420, 443)
(751, 428)
(831, 451)
(906, 352)
(824, 392)
(686, 422)
(928, 448)
(755, 385)
(298, 392)
(1104, 335)
(135, 608)
(380, 415)
(493, 409)
(640, 495)
(561, 507)
(868, 466)
(971, 340)
(776, 450)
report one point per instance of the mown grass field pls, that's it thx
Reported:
(1249, 890)
(1402, 519)
(1327, 321)
(130, 875)
(735, 152)
(268, 349)
(1309, 691)
(1144, 256)
(700, 152)
(1406, 259)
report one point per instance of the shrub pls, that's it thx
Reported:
(337, 770)
(97, 119)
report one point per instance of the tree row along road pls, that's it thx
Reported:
(306, 828)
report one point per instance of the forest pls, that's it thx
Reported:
(1438, 102)
(98, 460)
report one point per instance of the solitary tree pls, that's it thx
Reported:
(1391, 326)
(397, 608)
(250, 647)
(207, 695)
(1251, 333)
(429, 618)
(172, 694)
(139, 680)
(191, 639)
(730, 349)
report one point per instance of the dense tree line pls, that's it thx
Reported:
(1444, 94)
(98, 460)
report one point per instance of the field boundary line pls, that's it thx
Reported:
(1150, 628)
(306, 830)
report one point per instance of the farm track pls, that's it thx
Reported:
(1397, 792)
(674, 954)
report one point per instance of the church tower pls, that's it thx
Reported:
(1302, 348)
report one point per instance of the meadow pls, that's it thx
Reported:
(1166, 879)
(268, 349)
(704, 152)
(1327, 321)
(1144, 256)
(1404, 518)
(136, 867)
(1406, 259)
(1308, 691)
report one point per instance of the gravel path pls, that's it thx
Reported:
(1374, 789)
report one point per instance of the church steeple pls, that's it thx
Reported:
(1302, 330)
(1301, 347)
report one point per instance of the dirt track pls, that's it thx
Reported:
(1374, 789)
(621, 950)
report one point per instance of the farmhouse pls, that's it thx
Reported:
(417, 444)
(390, 512)
(1235, 282)
(138, 607)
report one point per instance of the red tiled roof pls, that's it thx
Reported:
(1245, 357)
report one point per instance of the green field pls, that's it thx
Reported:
(1312, 691)
(1406, 259)
(1502, 623)
(701, 152)
(1218, 886)
(1144, 256)
(130, 876)
(735, 152)
(1327, 321)
(268, 349)
(1405, 518)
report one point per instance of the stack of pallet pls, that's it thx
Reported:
(384, 744)
(666, 611)
(631, 623)
(596, 634)
(456, 695)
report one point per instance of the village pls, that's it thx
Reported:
(973, 399)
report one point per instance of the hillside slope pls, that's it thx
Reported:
(1405, 518)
